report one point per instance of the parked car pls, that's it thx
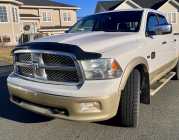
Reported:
(105, 66)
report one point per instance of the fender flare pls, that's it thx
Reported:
(130, 67)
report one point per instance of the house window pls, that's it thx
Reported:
(46, 16)
(14, 14)
(66, 16)
(3, 14)
(172, 17)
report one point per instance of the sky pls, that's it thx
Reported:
(87, 6)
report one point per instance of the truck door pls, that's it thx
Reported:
(167, 48)
(162, 50)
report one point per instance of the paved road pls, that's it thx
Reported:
(158, 121)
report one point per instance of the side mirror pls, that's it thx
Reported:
(164, 29)
(160, 30)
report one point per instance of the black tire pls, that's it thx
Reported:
(130, 101)
(177, 72)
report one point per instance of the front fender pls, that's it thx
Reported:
(130, 67)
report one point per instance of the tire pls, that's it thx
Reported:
(130, 101)
(177, 72)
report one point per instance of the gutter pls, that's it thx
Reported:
(174, 1)
(50, 7)
(134, 3)
(11, 1)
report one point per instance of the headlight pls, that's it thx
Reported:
(99, 69)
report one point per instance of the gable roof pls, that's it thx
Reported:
(111, 5)
(153, 4)
(45, 3)
(107, 5)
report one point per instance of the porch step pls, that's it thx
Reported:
(160, 83)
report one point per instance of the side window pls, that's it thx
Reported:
(162, 20)
(152, 23)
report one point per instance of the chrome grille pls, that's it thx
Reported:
(64, 76)
(48, 66)
(51, 59)
(23, 57)
(26, 71)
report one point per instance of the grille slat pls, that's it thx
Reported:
(63, 76)
(23, 57)
(25, 71)
(48, 67)
(50, 59)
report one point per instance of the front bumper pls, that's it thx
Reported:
(64, 107)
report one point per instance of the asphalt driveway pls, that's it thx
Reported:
(158, 121)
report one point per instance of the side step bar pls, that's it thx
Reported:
(160, 83)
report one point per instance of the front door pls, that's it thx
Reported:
(161, 50)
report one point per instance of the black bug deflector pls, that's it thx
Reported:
(53, 46)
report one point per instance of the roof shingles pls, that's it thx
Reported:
(153, 4)
(45, 3)
(108, 5)
(111, 5)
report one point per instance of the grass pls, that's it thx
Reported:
(5, 54)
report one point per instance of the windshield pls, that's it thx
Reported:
(124, 21)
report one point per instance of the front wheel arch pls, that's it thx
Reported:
(138, 62)
(142, 65)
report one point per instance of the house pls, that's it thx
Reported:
(24, 20)
(169, 7)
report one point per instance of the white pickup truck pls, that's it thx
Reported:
(104, 66)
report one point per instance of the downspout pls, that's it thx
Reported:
(12, 22)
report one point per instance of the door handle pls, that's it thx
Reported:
(175, 40)
(165, 42)
(153, 55)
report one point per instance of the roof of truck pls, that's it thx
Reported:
(139, 9)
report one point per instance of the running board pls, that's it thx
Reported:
(160, 83)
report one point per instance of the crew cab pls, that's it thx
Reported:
(103, 66)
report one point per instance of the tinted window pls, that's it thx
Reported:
(86, 25)
(162, 20)
(152, 22)
(124, 21)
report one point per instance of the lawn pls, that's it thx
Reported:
(5, 54)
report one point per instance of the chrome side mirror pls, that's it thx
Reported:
(160, 30)
(164, 29)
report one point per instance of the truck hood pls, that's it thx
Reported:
(93, 41)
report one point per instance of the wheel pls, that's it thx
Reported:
(177, 72)
(130, 100)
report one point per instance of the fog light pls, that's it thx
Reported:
(92, 107)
